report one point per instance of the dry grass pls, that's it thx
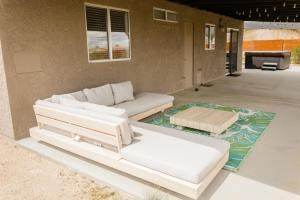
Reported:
(99, 193)
(27, 176)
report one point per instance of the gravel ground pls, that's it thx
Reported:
(25, 175)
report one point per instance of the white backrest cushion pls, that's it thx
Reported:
(79, 96)
(118, 112)
(101, 95)
(122, 92)
(125, 130)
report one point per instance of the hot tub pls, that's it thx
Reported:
(254, 60)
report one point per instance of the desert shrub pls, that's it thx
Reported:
(155, 196)
(296, 55)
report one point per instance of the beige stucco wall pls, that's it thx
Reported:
(44, 44)
(6, 126)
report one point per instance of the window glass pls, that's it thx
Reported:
(171, 16)
(107, 41)
(207, 37)
(210, 37)
(119, 34)
(164, 15)
(159, 14)
(97, 34)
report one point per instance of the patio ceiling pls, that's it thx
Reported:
(250, 10)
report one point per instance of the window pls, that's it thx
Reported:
(108, 35)
(164, 15)
(210, 37)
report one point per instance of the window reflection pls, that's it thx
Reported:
(98, 45)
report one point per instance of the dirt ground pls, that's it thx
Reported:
(25, 175)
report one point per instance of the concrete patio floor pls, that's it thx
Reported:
(271, 170)
(275, 160)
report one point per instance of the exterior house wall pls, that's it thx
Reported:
(6, 126)
(45, 51)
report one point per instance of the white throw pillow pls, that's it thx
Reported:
(122, 92)
(72, 106)
(57, 98)
(101, 95)
(70, 101)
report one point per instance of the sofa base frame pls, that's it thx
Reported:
(115, 161)
(150, 112)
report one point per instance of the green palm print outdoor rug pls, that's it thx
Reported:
(242, 135)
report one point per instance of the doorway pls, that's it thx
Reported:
(232, 49)
(188, 55)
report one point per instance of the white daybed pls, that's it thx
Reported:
(183, 163)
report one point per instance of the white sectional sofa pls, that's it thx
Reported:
(137, 107)
(181, 162)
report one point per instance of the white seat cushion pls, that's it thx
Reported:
(100, 95)
(187, 158)
(144, 102)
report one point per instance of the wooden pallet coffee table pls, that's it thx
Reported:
(210, 120)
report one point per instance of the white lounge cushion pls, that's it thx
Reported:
(100, 95)
(144, 102)
(168, 151)
(122, 92)
(123, 122)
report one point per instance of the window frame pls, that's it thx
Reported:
(166, 11)
(110, 52)
(209, 37)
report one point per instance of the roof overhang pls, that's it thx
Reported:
(250, 10)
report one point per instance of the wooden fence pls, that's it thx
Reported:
(270, 45)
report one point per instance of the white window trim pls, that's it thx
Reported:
(166, 13)
(111, 59)
(211, 25)
(234, 29)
